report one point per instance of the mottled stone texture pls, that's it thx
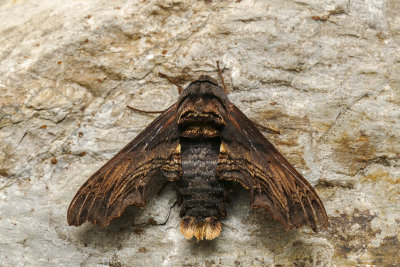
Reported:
(325, 73)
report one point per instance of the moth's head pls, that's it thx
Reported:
(202, 102)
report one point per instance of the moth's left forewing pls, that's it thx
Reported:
(124, 179)
(247, 157)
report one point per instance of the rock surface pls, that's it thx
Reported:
(325, 73)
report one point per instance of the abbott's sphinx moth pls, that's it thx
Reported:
(201, 142)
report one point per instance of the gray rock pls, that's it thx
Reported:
(325, 73)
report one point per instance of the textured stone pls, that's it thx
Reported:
(325, 73)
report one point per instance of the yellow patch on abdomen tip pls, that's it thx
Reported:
(209, 228)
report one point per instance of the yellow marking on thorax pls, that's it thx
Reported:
(178, 149)
(222, 149)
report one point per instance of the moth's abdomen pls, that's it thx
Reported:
(202, 195)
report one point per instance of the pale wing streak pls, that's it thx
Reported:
(293, 174)
(120, 186)
(299, 194)
(267, 181)
(306, 186)
(137, 142)
(121, 157)
(273, 186)
(295, 190)
(282, 164)
(243, 165)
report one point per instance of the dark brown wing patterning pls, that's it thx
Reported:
(250, 159)
(123, 180)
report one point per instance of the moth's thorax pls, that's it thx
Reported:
(201, 117)
(201, 113)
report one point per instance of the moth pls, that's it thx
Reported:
(203, 142)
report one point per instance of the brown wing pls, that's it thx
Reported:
(250, 159)
(124, 179)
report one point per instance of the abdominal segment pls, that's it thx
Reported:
(201, 194)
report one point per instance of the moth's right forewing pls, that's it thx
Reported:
(247, 157)
(124, 179)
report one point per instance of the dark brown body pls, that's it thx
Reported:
(201, 142)
(201, 193)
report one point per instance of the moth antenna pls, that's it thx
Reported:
(171, 80)
(145, 111)
(222, 78)
(154, 222)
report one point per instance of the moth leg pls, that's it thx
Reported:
(166, 219)
(163, 187)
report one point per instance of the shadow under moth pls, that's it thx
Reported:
(202, 142)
